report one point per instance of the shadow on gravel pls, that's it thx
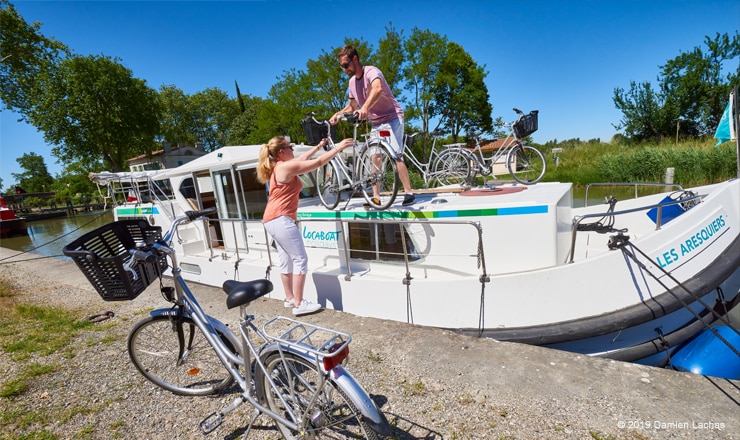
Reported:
(402, 429)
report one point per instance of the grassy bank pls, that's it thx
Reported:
(695, 162)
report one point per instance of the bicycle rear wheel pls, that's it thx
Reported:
(378, 174)
(333, 415)
(526, 164)
(452, 167)
(328, 185)
(173, 354)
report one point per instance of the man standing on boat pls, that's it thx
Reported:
(371, 98)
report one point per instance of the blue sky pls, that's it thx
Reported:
(561, 57)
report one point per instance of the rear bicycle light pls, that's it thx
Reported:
(384, 133)
(336, 359)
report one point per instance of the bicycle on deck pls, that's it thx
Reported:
(525, 163)
(374, 172)
(293, 373)
(449, 167)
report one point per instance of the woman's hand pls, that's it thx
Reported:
(345, 144)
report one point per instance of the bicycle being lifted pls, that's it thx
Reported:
(373, 171)
(525, 163)
(289, 370)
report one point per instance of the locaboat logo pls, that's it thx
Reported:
(323, 239)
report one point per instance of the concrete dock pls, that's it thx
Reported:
(436, 384)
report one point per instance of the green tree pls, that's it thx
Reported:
(243, 127)
(641, 107)
(35, 177)
(74, 180)
(213, 113)
(94, 108)
(391, 58)
(425, 53)
(461, 96)
(26, 59)
(176, 124)
(690, 97)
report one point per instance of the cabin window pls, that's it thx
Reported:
(379, 241)
(254, 194)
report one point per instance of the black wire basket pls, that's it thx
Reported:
(315, 132)
(526, 125)
(103, 253)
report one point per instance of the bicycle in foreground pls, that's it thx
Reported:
(525, 163)
(373, 172)
(449, 167)
(293, 373)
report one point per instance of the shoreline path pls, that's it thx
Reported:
(430, 383)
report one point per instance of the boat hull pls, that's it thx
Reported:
(510, 263)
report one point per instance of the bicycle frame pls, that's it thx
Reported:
(518, 158)
(188, 306)
(484, 165)
(449, 166)
(425, 168)
(366, 175)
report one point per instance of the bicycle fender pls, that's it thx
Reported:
(347, 383)
(370, 411)
(218, 325)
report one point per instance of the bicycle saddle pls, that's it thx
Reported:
(241, 293)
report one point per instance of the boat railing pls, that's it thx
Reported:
(636, 185)
(692, 199)
(405, 254)
(239, 227)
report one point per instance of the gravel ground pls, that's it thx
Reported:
(430, 383)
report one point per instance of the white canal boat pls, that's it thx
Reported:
(630, 281)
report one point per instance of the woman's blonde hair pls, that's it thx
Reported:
(268, 157)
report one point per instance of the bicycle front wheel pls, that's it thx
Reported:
(328, 185)
(526, 164)
(173, 354)
(332, 415)
(452, 167)
(377, 175)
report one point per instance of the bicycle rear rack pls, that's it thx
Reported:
(320, 341)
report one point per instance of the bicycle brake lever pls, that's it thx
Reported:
(128, 267)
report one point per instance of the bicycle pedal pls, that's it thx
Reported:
(210, 423)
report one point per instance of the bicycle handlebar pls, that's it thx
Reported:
(193, 215)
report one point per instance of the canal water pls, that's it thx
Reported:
(48, 237)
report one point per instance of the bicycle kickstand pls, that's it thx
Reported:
(255, 415)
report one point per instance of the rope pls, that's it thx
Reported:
(605, 224)
(481, 314)
(409, 309)
(623, 245)
(2, 261)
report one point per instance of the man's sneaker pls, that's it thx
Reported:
(289, 303)
(306, 307)
(367, 205)
(408, 199)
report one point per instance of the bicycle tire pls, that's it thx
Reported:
(452, 167)
(377, 168)
(332, 416)
(158, 351)
(526, 164)
(328, 185)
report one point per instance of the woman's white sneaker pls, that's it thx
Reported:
(289, 303)
(306, 307)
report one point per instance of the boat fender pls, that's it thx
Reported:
(706, 354)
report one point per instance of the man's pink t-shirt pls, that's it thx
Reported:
(386, 108)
